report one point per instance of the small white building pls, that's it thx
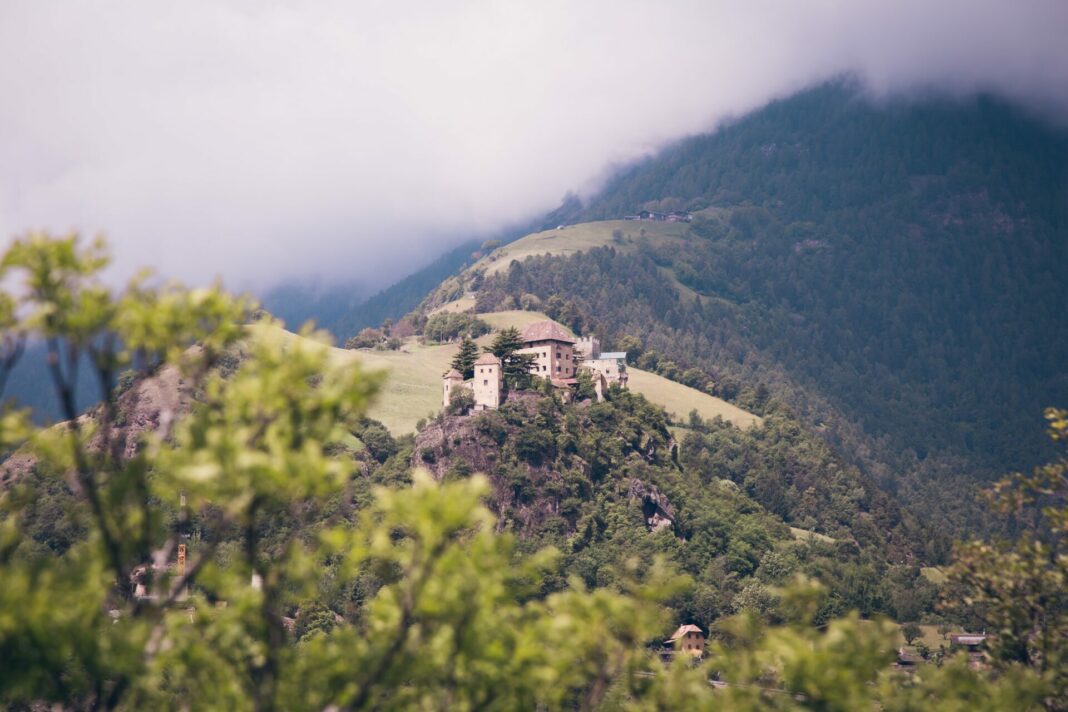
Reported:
(610, 364)
(451, 382)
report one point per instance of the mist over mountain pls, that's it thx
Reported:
(895, 274)
(332, 142)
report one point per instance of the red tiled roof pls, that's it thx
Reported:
(453, 373)
(488, 359)
(546, 331)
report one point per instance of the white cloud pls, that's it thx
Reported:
(264, 140)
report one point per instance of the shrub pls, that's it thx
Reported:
(461, 401)
(366, 339)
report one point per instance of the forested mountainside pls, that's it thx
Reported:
(400, 298)
(896, 274)
(908, 260)
(604, 483)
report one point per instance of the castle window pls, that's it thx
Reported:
(485, 383)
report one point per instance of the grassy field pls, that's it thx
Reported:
(516, 318)
(581, 237)
(929, 636)
(679, 400)
(805, 535)
(934, 574)
(413, 385)
(460, 305)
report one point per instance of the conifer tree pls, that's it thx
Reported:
(465, 358)
(516, 366)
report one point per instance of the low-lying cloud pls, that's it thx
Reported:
(262, 140)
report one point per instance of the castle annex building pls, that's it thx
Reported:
(557, 358)
(553, 350)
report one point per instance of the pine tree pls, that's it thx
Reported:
(465, 358)
(516, 366)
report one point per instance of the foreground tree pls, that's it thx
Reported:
(454, 620)
(1017, 590)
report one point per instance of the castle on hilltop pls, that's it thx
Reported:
(557, 358)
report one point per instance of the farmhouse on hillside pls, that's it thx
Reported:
(557, 359)
(688, 639)
(677, 216)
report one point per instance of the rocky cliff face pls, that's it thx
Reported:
(150, 405)
(543, 463)
(657, 510)
(462, 445)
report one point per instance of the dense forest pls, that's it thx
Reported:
(908, 259)
(605, 482)
(892, 274)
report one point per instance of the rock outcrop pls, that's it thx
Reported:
(657, 510)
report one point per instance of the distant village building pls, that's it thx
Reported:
(907, 661)
(677, 216)
(971, 643)
(688, 639)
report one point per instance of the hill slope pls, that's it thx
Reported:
(896, 275)
(412, 390)
(909, 262)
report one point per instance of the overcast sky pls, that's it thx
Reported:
(261, 140)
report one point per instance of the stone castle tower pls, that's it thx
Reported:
(488, 382)
(452, 380)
